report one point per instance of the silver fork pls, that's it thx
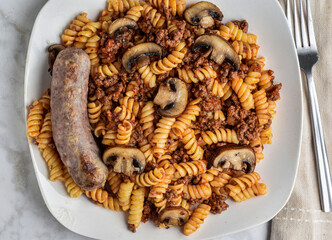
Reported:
(308, 56)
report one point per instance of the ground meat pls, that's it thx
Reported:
(150, 166)
(114, 92)
(243, 25)
(209, 102)
(149, 212)
(235, 114)
(204, 122)
(196, 179)
(176, 36)
(108, 47)
(273, 93)
(170, 194)
(193, 201)
(225, 69)
(249, 129)
(180, 155)
(161, 37)
(137, 132)
(255, 67)
(217, 203)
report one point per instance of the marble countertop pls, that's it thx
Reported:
(23, 211)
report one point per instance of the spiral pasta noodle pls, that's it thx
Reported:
(136, 207)
(45, 100)
(157, 194)
(69, 35)
(196, 219)
(124, 132)
(147, 150)
(191, 145)
(245, 50)
(189, 168)
(72, 188)
(94, 111)
(100, 129)
(98, 195)
(160, 135)
(147, 118)
(157, 20)
(243, 93)
(178, 188)
(255, 190)
(198, 191)
(92, 47)
(128, 109)
(239, 184)
(185, 119)
(232, 31)
(175, 6)
(217, 115)
(266, 78)
(124, 194)
(87, 31)
(132, 88)
(134, 13)
(164, 162)
(252, 79)
(46, 135)
(109, 137)
(111, 203)
(54, 164)
(122, 5)
(148, 76)
(258, 148)
(266, 136)
(227, 91)
(114, 181)
(216, 88)
(261, 106)
(271, 108)
(220, 135)
(35, 120)
(171, 61)
(106, 70)
(150, 178)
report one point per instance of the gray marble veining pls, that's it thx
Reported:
(23, 211)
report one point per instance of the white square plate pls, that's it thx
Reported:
(278, 169)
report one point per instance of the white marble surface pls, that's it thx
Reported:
(23, 212)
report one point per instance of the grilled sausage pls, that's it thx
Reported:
(71, 130)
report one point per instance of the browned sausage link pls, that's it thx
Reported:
(70, 124)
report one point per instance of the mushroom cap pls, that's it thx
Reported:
(173, 216)
(53, 51)
(217, 48)
(125, 160)
(236, 157)
(172, 97)
(119, 25)
(137, 53)
(203, 14)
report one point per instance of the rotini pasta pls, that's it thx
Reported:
(114, 181)
(198, 191)
(256, 190)
(150, 178)
(266, 136)
(239, 184)
(69, 35)
(54, 163)
(261, 106)
(233, 32)
(121, 5)
(266, 79)
(134, 13)
(243, 92)
(72, 188)
(155, 17)
(245, 50)
(147, 118)
(191, 145)
(160, 135)
(220, 135)
(94, 111)
(124, 132)
(45, 138)
(35, 120)
(148, 76)
(136, 207)
(88, 30)
(124, 194)
(196, 219)
(189, 168)
(98, 195)
(185, 119)
(171, 61)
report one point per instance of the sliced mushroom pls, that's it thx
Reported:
(124, 160)
(119, 25)
(53, 51)
(217, 48)
(203, 14)
(236, 157)
(172, 97)
(139, 54)
(173, 216)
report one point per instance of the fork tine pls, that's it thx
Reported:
(298, 42)
(310, 26)
(288, 15)
(303, 27)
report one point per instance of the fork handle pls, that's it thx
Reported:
(323, 168)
